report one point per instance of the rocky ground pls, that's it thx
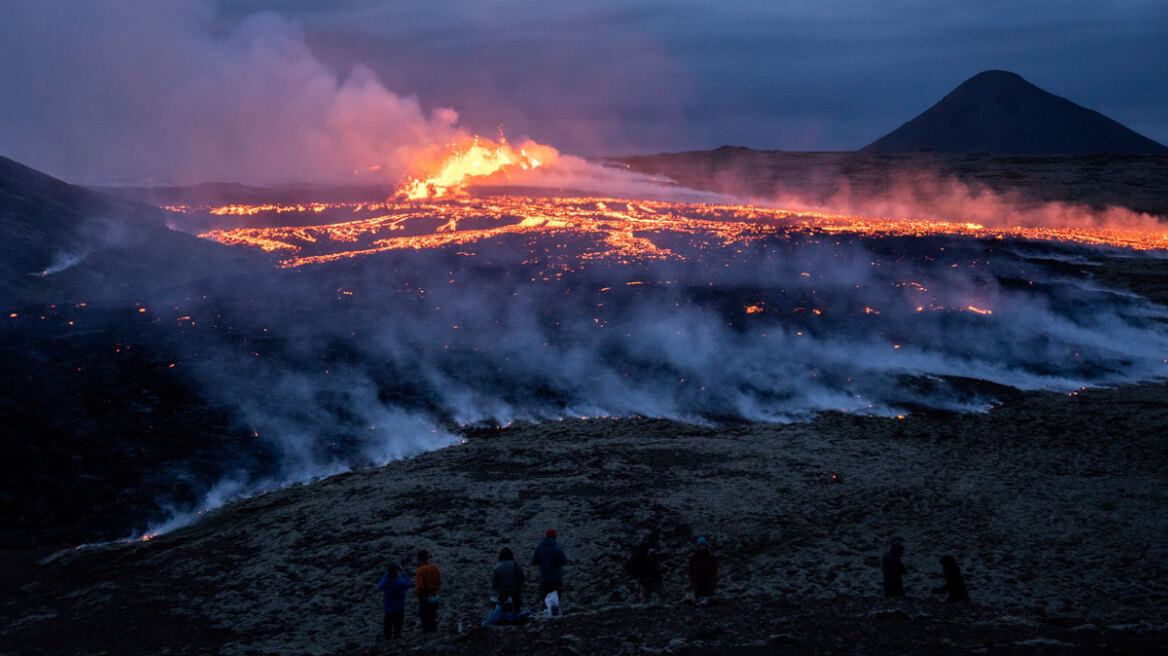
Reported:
(1052, 503)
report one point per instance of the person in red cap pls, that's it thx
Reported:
(551, 559)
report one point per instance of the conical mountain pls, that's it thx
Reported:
(999, 112)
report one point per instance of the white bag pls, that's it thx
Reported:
(551, 604)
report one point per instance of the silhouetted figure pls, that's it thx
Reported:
(551, 560)
(427, 581)
(703, 571)
(894, 569)
(643, 567)
(393, 586)
(507, 581)
(954, 582)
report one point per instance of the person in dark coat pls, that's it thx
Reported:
(643, 567)
(894, 569)
(550, 558)
(507, 581)
(954, 582)
(703, 571)
(393, 586)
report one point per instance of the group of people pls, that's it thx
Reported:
(642, 566)
(394, 585)
(894, 571)
(507, 581)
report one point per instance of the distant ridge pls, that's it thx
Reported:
(63, 243)
(1000, 112)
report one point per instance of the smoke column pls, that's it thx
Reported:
(170, 94)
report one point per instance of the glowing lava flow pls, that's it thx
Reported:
(477, 159)
(627, 230)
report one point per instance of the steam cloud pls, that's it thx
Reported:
(424, 341)
(933, 197)
(170, 94)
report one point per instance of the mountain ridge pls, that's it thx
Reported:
(1001, 112)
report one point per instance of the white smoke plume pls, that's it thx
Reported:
(932, 196)
(349, 364)
(165, 92)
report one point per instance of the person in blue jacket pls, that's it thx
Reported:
(393, 586)
(551, 559)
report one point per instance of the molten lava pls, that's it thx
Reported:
(620, 229)
(477, 158)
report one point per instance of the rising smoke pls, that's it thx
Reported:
(926, 195)
(360, 362)
(171, 94)
(356, 363)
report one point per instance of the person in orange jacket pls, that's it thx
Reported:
(427, 581)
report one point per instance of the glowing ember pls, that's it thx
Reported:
(622, 229)
(479, 158)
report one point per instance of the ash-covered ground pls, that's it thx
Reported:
(1051, 504)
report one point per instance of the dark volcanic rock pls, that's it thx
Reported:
(999, 112)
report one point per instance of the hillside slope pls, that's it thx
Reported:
(1054, 522)
(60, 243)
(999, 112)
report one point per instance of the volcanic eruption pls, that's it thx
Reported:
(480, 306)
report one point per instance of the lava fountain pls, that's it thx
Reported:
(476, 158)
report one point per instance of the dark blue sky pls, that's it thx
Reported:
(646, 75)
(131, 91)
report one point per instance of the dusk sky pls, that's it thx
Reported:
(191, 90)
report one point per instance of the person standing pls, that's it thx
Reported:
(427, 581)
(703, 571)
(954, 582)
(894, 569)
(507, 581)
(393, 586)
(643, 567)
(550, 558)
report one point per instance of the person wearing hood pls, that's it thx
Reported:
(550, 558)
(507, 581)
(393, 586)
(703, 571)
(954, 582)
(894, 569)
